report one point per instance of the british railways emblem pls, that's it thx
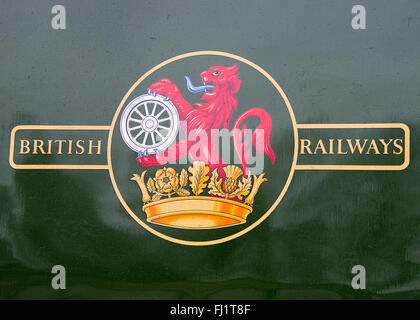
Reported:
(203, 147)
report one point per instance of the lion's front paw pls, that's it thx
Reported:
(147, 160)
(165, 87)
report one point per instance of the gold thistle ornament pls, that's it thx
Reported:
(230, 187)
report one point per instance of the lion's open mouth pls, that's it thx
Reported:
(194, 89)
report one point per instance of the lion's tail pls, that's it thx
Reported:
(260, 136)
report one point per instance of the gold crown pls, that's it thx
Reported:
(180, 209)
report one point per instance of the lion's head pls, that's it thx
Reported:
(221, 102)
(224, 79)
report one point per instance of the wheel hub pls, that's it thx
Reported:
(150, 123)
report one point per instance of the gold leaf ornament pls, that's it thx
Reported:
(243, 187)
(215, 184)
(142, 185)
(182, 192)
(156, 196)
(151, 185)
(183, 178)
(199, 177)
(257, 183)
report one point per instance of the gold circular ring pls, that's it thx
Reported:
(289, 178)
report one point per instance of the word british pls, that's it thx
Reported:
(60, 146)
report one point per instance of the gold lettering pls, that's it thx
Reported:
(304, 145)
(320, 146)
(60, 145)
(24, 144)
(70, 145)
(357, 144)
(373, 146)
(399, 146)
(38, 144)
(339, 147)
(79, 145)
(98, 146)
(331, 146)
(385, 145)
(49, 146)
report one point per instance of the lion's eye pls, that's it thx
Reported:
(216, 73)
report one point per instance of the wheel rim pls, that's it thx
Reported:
(149, 124)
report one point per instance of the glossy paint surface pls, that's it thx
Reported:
(327, 222)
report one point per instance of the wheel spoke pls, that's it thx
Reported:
(146, 108)
(158, 115)
(157, 131)
(154, 109)
(135, 120)
(138, 134)
(136, 127)
(139, 113)
(153, 138)
(163, 127)
(145, 138)
(164, 119)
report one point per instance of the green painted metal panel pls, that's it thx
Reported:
(328, 220)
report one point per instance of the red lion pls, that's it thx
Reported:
(213, 114)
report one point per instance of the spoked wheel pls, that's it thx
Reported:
(149, 124)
